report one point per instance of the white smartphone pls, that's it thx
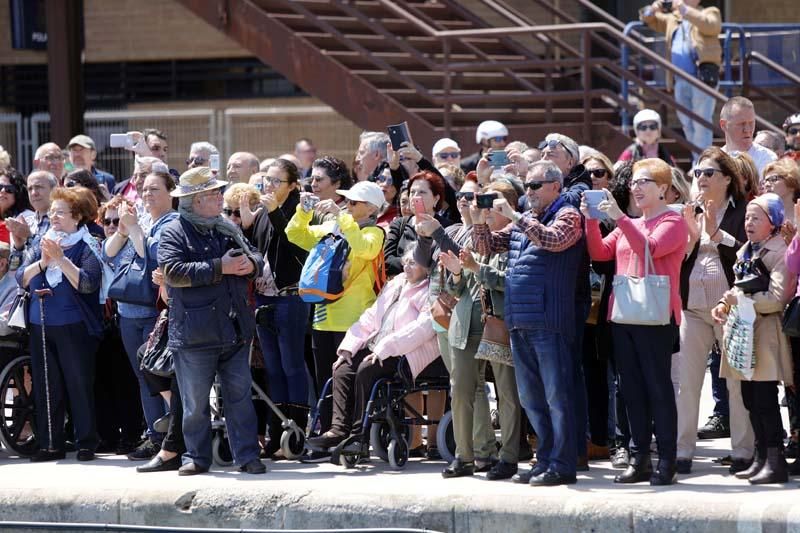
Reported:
(121, 140)
(213, 162)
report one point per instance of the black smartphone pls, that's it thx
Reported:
(236, 252)
(666, 6)
(398, 134)
(468, 196)
(485, 201)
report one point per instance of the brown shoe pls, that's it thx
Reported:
(596, 452)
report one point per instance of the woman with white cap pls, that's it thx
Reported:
(647, 124)
(446, 152)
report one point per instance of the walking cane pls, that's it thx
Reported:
(42, 293)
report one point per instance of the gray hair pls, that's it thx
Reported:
(739, 102)
(569, 145)
(42, 148)
(772, 140)
(376, 142)
(48, 175)
(145, 163)
(203, 146)
(519, 146)
(409, 252)
(549, 170)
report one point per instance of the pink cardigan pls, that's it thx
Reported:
(793, 259)
(413, 335)
(666, 234)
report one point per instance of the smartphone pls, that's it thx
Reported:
(309, 202)
(236, 252)
(498, 158)
(259, 186)
(593, 199)
(398, 134)
(485, 201)
(468, 196)
(666, 6)
(121, 140)
(213, 162)
(419, 205)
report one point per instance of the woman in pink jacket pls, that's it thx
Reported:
(396, 331)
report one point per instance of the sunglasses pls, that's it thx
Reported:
(8, 188)
(499, 139)
(196, 160)
(111, 222)
(598, 173)
(536, 185)
(468, 196)
(449, 155)
(775, 178)
(707, 172)
(232, 212)
(383, 179)
(552, 144)
(793, 131)
(354, 202)
(69, 184)
(653, 126)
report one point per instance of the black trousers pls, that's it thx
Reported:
(644, 360)
(173, 440)
(793, 398)
(325, 345)
(760, 398)
(71, 355)
(595, 375)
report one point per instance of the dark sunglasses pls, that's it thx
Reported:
(354, 202)
(707, 172)
(195, 160)
(449, 155)
(111, 222)
(552, 144)
(499, 139)
(644, 126)
(793, 131)
(468, 196)
(536, 185)
(598, 172)
(8, 188)
(232, 212)
(70, 184)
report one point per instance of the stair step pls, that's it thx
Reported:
(435, 10)
(347, 24)
(484, 81)
(511, 116)
(402, 60)
(379, 43)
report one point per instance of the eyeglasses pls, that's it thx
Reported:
(354, 202)
(58, 214)
(598, 173)
(10, 189)
(197, 160)
(70, 184)
(793, 131)
(111, 222)
(499, 138)
(775, 178)
(640, 182)
(468, 196)
(317, 177)
(644, 126)
(536, 185)
(232, 212)
(449, 155)
(275, 182)
(707, 172)
(53, 158)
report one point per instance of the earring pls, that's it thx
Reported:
(661, 197)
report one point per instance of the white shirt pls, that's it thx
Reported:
(761, 156)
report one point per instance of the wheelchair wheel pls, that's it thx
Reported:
(293, 443)
(379, 436)
(221, 450)
(398, 453)
(18, 410)
(445, 439)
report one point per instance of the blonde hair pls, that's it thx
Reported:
(787, 168)
(237, 191)
(603, 159)
(748, 172)
(453, 171)
(5, 159)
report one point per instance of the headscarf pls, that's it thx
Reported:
(772, 205)
(208, 224)
(54, 275)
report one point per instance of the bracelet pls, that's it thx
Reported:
(122, 234)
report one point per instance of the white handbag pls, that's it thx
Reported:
(643, 301)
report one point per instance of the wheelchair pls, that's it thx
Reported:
(387, 422)
(17, 414)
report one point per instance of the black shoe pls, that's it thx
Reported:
(774, 471)
(717, 427)
(794, 468)
(432, 454)
(640, 469)
(754, 468)
(124, 447)
(459, 468)
(665, 474)
(419, 451)
(621, 458)
(329, 439)
(739, 465)
(146, 451)
(485, 464)
(551, 479)
(502, 470)
(47, 455)
(254, 467)
(157, 464)
(791, 450)
(105, 447)
(314, 456)
(683, 466)
(525, 477)
(191, 469)
(85, 455)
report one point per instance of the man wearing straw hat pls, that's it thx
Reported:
(207, 264)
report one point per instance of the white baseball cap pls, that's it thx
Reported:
(443, 144)
(364, 191)
(490, 128)
(646, 115)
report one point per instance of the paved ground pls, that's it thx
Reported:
(325, 495)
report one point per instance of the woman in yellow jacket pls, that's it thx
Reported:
(358, 226)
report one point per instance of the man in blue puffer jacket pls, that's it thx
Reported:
(545, 247)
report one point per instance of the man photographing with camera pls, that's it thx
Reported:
(692, 34)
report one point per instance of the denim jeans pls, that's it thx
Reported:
(195, 371)
(543, 361)
(134, 333)
(283, 345)
(702, 105)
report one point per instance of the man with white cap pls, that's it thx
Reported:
(83, 154)
(358, 226)
(490, 134)
(207, 265)
(446, 152)
(647, 127)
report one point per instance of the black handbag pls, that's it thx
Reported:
(752, 276)
(708, 73)
(155, 356)
(133, 282)
(791, 318)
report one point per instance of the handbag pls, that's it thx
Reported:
(738, 335)
(643, 301)
(791, 318)
(133, 282)
(495, 345)
(752, 275)
(18, 312)
(155, 356)
(442, 308)
(708, 73)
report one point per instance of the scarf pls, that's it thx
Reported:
(54, 275)
(206, 225)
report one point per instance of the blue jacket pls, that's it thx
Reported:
(208, 310)
(104, 177)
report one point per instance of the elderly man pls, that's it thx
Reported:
(50, 158)
(738, 121)
(446, 152)
(25, 232)
(131, 188)
(772, 141)
(200, 154)
(207, 264)
(371, 153)
(83, 154)
(306, 153)
(545, 248)
(241, 166)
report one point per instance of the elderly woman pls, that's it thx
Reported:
(773, 360)
(394, 332)
(647, 125)
(644, 352)
(782, 177)
(64, 275)
(233, 197)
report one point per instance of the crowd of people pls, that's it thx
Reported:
(592, 294)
